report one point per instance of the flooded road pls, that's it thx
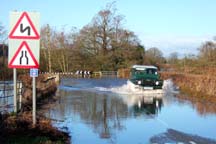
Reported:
(104, 111)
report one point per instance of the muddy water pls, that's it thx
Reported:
(104, 111)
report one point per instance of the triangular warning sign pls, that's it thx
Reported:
(23, 58)
(24, 28)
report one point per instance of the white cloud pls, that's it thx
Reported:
(183, 45)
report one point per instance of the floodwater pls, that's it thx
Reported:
(106, 111)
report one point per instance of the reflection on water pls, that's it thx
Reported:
(148, 106)
(103, 112)
(92, 113)
(99, 110)
(204, 106)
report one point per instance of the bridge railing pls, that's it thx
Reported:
(85, 75)
(7, 95)
(109, 73)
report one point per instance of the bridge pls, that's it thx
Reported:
(97, 74)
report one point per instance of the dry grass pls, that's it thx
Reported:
(19, 128)
(44, 89)
(124, 73)
(199, 85)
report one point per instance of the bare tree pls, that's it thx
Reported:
(106, 43)
(3, 36)
(3, 39)
(103, 23)
(103, 44)
(173, 58)
(208, 51)
(45, 42)
(154, 56)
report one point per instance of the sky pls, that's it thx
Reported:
(171, 25)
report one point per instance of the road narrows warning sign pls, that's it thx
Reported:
(24, 28)
(23, 58)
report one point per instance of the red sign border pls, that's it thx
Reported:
(11, 36)
(24, 43)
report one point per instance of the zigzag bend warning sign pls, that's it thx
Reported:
(24, 40)
(24, 28)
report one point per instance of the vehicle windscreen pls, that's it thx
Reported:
(151, 71)
(140, 72)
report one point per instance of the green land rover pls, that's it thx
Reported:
(146, 77)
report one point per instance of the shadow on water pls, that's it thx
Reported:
(174, 137)
(92, 113)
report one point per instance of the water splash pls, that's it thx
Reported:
(130, 88)
(131, 94)
(170, 88)
(120, 87)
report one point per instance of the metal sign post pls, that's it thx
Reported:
(34, 74)
(34, 100)
(15, 89)
(24, 49)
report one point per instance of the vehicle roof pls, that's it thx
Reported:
(144, 67)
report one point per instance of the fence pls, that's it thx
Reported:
(109, 73)
(84, 75)
(7, 95)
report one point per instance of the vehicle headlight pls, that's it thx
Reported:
(157, 82)
(139, 82)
